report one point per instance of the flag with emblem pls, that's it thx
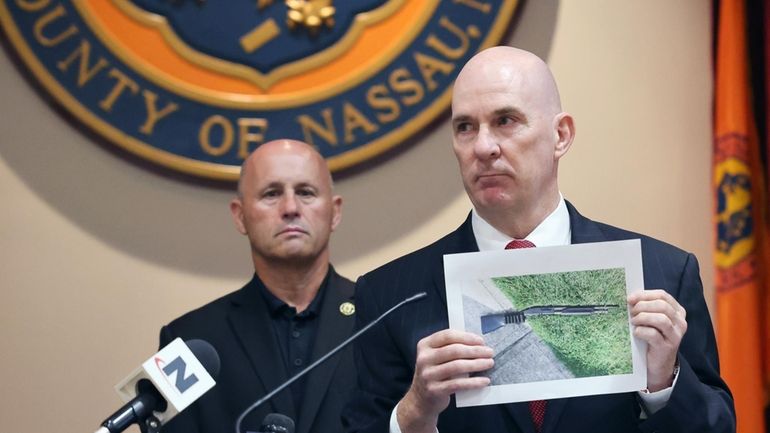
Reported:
(741, 223)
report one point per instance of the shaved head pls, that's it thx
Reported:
(514, 67)
(285, 205)
(509, 133)
(282, 146)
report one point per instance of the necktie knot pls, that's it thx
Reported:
(519, 243)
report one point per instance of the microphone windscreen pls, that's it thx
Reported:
(277, 423)
(145, 387)
(206, 354)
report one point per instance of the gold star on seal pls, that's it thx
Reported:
(311, 14)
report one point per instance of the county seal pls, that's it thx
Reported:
(195, 85)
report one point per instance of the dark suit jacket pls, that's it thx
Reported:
(238, 326)
(385, 356)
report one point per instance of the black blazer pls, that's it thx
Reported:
(238, 327)
(385, 356)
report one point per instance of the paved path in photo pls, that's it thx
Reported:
(520, 355)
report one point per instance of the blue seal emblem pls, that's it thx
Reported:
(196, 85)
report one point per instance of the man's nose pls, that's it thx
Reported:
(289, 206)
(486, 145)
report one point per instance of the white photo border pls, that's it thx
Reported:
(460, 269)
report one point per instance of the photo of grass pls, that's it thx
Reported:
(555, 317)
(586, 343)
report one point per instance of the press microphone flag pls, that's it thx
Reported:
(164, 385)
(320, 360)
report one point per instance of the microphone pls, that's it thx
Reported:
(164, 385)
(276, 423)
(322, 359)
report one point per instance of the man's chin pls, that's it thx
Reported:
(295, 253)
(493, 198)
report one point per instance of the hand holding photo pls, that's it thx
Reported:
(556, 318)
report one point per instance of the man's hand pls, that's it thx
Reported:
(442, 361)
(660, 321)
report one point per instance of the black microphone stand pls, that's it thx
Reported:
(151, 424)
(342, 345)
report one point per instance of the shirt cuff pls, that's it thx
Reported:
(394, 427)
(655, 401)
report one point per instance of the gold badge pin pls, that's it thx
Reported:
(347, 308)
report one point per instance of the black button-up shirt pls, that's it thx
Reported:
(295, 333)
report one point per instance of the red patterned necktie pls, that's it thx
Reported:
(537, 407)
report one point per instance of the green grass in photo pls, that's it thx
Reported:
(589, 345)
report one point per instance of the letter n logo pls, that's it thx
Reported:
(179, 367)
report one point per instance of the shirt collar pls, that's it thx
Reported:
(276, 306)
(552, 231)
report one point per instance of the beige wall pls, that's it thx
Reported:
(96, 253)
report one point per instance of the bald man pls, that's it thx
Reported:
(295, 308)
(509, 134)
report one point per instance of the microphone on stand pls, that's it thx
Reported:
(276, 423)
(320, 360)
(164, 385)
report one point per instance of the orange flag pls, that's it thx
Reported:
(740, 222)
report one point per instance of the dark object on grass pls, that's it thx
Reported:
(491, 322)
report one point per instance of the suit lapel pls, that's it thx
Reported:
(583, 229)
(333, 326)
(462, 241)
(553, 412)
(520, 414)
(250, 321)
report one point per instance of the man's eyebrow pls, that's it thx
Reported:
(305, 184)
(461, 118)
(271, 185)
(508, 110)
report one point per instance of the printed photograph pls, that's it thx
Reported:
(556, 318)
(551, 326)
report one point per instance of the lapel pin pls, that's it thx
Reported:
(347, 308)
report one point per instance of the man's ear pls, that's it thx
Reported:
(336, 211)
(236, 211)
(564, 128)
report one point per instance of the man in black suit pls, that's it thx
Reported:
(295, 309)
(509, 133)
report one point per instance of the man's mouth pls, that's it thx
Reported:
(490, 177)
(292, 230)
